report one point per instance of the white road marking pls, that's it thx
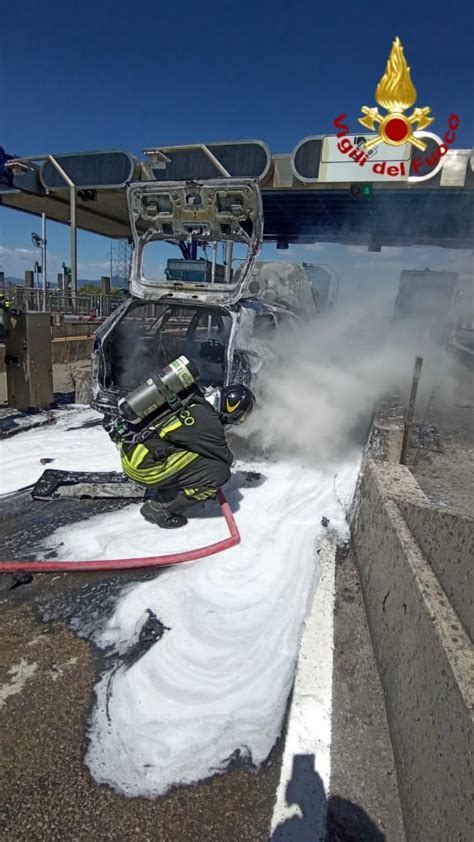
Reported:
(21, 673)
(309, 721)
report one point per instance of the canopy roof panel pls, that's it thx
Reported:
(438, 211)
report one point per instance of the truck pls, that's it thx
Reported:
(425, 299)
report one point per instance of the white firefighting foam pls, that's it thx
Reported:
(218, 681)
(70, 449)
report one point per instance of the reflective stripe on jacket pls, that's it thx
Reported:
(174, 441)
(156, 472)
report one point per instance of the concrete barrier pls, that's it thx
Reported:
(414, 562)
(71, 349)
(447, 540)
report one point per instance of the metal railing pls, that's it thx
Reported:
(56, 300)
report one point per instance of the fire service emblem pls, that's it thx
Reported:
(395, 93)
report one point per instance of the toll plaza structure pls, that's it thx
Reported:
(314, 194)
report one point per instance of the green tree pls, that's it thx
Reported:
(89, 289)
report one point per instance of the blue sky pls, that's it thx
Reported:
(101, 74)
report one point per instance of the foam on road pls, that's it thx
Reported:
(86, 449)
(217, 683)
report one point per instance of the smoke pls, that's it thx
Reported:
(317, 390)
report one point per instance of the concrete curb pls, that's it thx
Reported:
(305, 768)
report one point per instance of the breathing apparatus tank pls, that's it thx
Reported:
(163, 388)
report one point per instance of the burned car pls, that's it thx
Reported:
(223, 317)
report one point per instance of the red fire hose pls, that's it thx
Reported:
(129, 563)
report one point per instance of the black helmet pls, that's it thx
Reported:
(237, 403)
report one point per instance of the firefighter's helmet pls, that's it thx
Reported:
(237, 402)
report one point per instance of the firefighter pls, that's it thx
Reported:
(181, 457)
(6, 304)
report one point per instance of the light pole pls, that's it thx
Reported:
(40, 242)
(43, 237)
(22, 165)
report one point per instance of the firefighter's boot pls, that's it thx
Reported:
(161, 514)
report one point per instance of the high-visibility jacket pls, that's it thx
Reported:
(173, 442)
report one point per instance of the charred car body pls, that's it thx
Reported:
(222, 318)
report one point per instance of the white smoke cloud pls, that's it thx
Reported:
(317, 393)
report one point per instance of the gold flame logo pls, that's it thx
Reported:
(396, 92)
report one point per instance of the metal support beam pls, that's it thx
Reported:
(72, 199)
(105, 295)
(23, 162)
(72, 193)
(44, 271)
